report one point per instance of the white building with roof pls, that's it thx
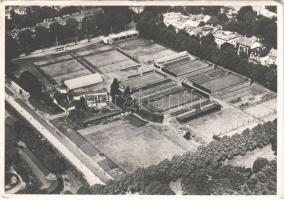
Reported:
(112, 38)
(222, 37)
(83, 81)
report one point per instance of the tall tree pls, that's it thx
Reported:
(114, 90)
(43, 37)
(26, 41)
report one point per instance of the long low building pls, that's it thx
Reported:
(183, 64)
(83, 81)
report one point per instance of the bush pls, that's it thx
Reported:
(258, 164)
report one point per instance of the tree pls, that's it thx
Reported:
(114, 90)
(11, 47)
(228, 48)
(30, 83)
(56, 31)
(68, 10)
(246, 14)
(117, 17)
(258, 164)
(208, 40)
(72, 28)
(26, 41)
(43, 37)
(90, 26)
(272, 8)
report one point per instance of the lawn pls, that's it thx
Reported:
(248, 159)
(131, 145)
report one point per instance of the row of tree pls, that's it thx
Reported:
(205, 47)
(37, 14)
(203, 172)
(111, 19)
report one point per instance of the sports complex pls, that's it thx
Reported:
(193, 93)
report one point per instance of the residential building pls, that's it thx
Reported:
(222, 37)
(180, 21)
(245, 45)
(204, 30)
(270, 58)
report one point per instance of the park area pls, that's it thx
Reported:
(144, 51)
(131, 143)
(219, 122)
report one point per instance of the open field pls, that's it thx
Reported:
(248, 159)
(144, 51)
(131, 146)
(87, 148)
(217, 122)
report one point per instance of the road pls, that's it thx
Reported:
(93, 173)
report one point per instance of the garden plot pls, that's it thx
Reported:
(144, 51)
(131, 146)
(219, 122)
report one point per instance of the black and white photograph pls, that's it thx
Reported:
(142, 99)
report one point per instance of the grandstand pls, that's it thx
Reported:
(182, 64)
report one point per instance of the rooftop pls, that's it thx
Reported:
(247, 41)
(226, 35)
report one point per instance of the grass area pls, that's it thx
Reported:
(47, 107)
(248, 159)
(131, 146)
